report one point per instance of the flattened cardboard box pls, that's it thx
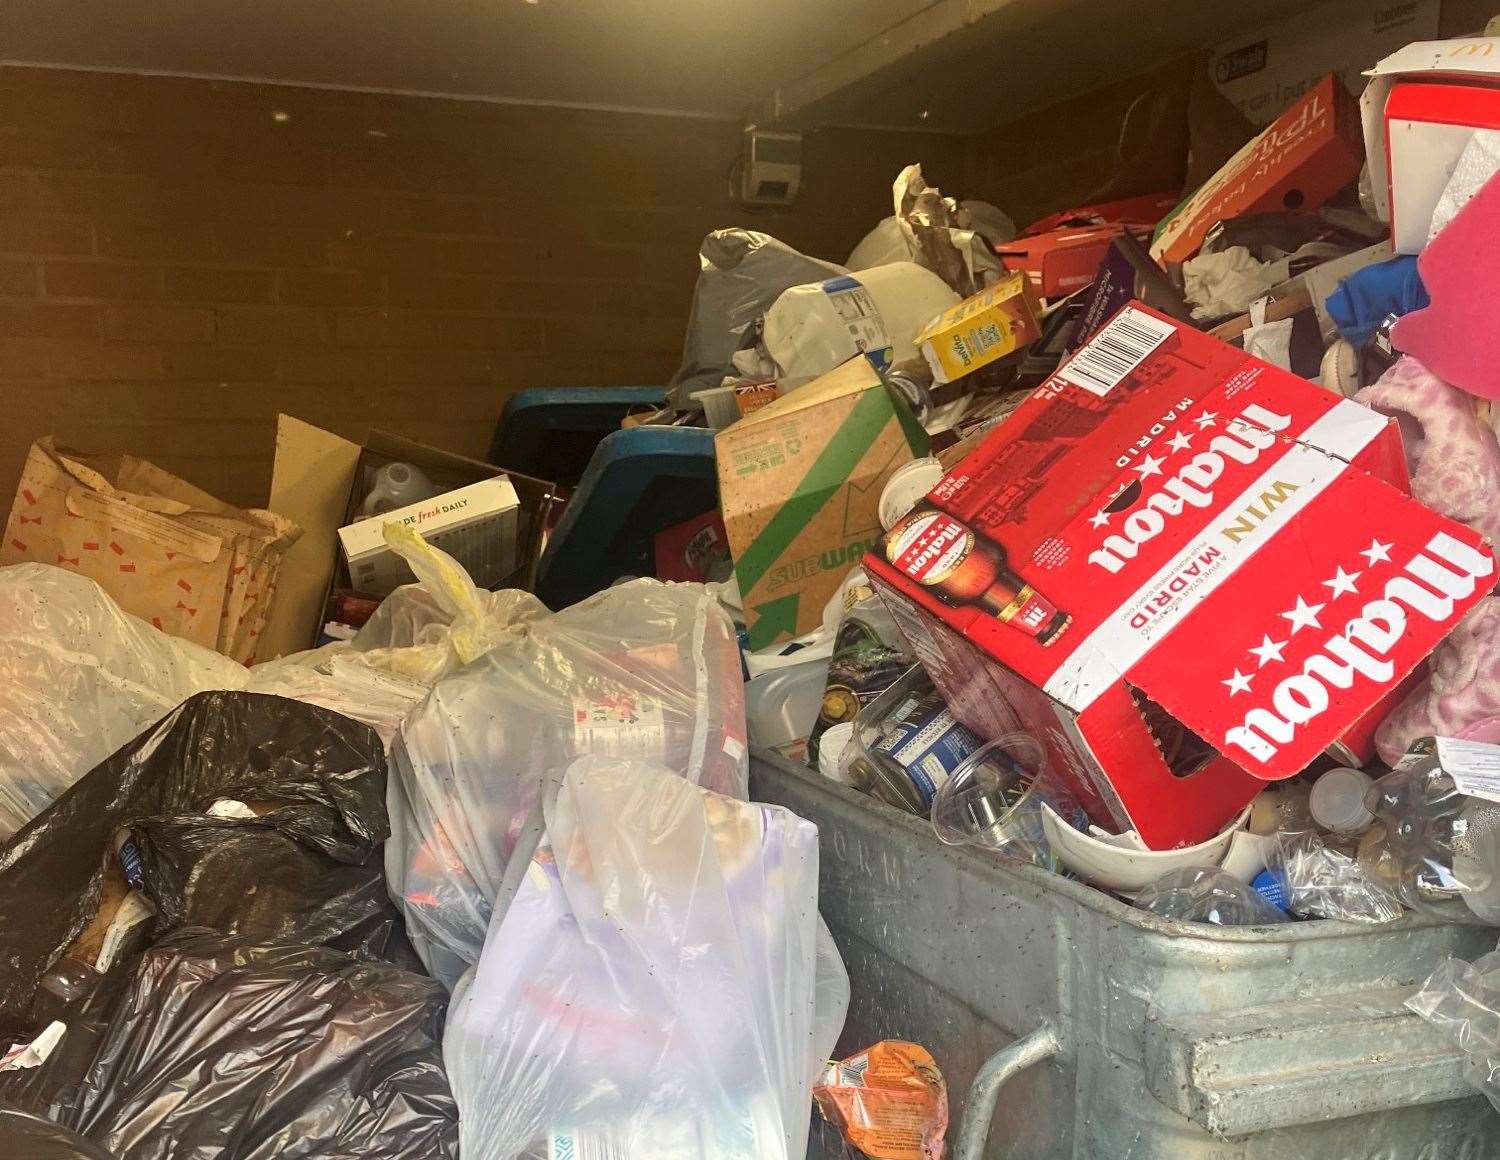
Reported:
(318, 480)
(164, 550)
(1242, 573)
(799, 487)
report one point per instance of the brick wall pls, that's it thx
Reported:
(179, 260)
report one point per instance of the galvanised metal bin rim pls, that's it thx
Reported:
(1189, 1041)
(990, 863)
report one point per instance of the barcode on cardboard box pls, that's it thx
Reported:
(1102, 363)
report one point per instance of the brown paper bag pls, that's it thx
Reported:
(165, 551)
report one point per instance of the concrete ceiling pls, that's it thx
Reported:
(955, 65)
(714, 57)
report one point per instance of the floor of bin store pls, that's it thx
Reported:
(692, 581)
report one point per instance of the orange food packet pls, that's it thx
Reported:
(889, 1101)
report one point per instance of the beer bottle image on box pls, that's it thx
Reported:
(960, 567)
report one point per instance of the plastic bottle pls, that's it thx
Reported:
(395, 486)
(1337, 801)
(1207, 894)
(1440, 846)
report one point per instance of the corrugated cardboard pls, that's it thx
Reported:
(799, 488)
(1263, 71)
(1473, 60)
(318, 480)
(1299, 161)
(1061, 253)
(166, 551)
(1245, 575)
(984, 327)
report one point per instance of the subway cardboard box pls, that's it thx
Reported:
(320, 480)
(1297, 162)
(1186, 571)
(799, 488)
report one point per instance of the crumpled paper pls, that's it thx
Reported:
(940, 235)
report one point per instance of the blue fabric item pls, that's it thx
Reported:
(1363, 299)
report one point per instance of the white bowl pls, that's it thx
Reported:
(1116, 867)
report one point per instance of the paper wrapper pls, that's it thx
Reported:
(889, 1101)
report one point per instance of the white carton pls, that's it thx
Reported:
(476, 525)
(1475, 59)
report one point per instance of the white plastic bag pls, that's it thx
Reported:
(79, 677)
(427, 630)
(660, 987)
(644, 671)
(812, 328)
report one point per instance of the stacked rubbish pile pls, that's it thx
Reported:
(1178, 571)
(533, 912)
(1147, 551)
(1160, 554)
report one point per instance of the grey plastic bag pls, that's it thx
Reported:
(742, 273)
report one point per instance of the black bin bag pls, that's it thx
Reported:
(227, 1049)
(266, 1010)
(27, 1136)
(317, 777)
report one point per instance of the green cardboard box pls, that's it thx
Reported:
(799, 485)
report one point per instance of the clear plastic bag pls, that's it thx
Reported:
(79, 677)
(644, 670)
(1324, 881)
(425, 631)
(1464, 1000)
(1207, 894)
(660, 988)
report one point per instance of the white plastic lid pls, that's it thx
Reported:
(1337, 801)
(906, 488)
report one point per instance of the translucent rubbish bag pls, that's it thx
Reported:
(79, 677)
(660, 987)
(1464, 1000)
(644, 671)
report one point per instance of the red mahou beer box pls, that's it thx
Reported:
(1187, 571)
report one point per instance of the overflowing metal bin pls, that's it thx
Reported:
(1132, 1037)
